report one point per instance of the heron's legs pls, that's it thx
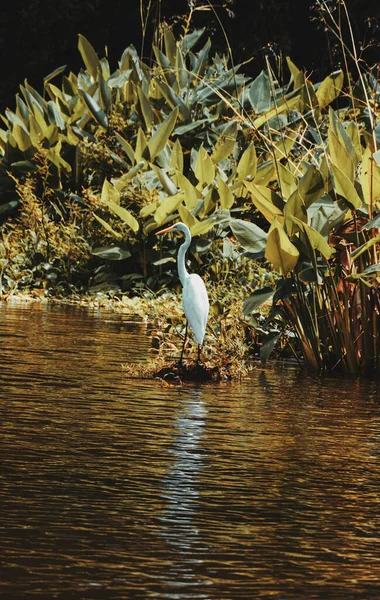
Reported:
(199, 354)
(183, 345)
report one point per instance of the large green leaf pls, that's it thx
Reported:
(316, 240)
(246, 168)
(110, 193)
(159, 139)
(260, 93)
(330, 88)
(279, 250)
(311, 185)
(124, 215)
(265, 200)
(111, 252)
(269, 345)
(249, 235)
(294, 207)
(256, 299)
(98, 114)
(167, 207)
(340, 156)
(126, 146)
(175, 101)
(204, 168)
(225, 195)
(55, 115)
(108, 227)
(202, 226)
(146, 108)
(191, 194)
(370, 178)
(176, 157)
(225, 143)
(344, 187)
(89, 56)
(364, 247)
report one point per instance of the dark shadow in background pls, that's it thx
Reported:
(38, 36)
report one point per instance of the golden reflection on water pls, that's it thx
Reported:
(118, 488)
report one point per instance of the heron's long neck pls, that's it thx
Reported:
(182, 271)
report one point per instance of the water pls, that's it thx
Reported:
(115, 488)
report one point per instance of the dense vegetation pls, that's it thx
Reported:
(271, 172)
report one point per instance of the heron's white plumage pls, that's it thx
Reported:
(194, 294)
(196, 305)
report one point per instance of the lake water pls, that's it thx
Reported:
(115, 488)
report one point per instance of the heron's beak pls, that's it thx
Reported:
(165, 230)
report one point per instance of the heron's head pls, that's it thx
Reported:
(176, 227)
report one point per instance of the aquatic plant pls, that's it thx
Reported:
(279, 166)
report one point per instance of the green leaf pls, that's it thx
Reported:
(356, 253)
(191, 194)
(311, 185)
(167, 207)
(316, 240)
(370, 178)
(170, 44)
(104, 92)
(111, 252)
(330, 88)
(204, 168)
(287, 180)
(190, 39)
(89, 56)
(202, 226)
(294, 207)
(108, 227)
(279, 250)
(186, 216)
(175, 101)
(340, 156)
(249, 235)
(146, 109)
(296, 74)
(226, 197)
(269, 345)
(265, 172)
(164, 63)
(260, 93)
(124, 180)
(123, 214)
(168, 185)
(344, 187)
(182, 129)
(54, 73)
(374, 223)
(256, 299)
(246, 168)
(110, 193)
(265, 200)
(225, 143)
(141, 149)
(98, 114)
(176, 157)
(55, 115)
(22, 138)
(159, 139)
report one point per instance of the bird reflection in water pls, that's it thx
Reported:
(181, 492)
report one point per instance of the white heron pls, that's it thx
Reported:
(194, 295)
